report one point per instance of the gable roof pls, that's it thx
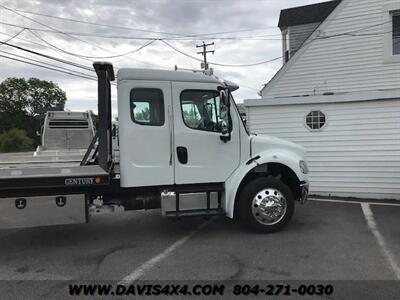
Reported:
(283, 69)
(314, 13)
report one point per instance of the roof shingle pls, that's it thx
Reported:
(314, 13)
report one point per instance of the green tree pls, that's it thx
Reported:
(15, 140)
(32, 96)
(19, 120)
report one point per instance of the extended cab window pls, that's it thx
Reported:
(147, 106)
(201, 110)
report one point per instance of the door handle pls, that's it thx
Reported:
(182, 155)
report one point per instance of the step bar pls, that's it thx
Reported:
(192, 203)
(196, 213)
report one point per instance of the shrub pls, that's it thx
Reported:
(20, 120)
(15, 140)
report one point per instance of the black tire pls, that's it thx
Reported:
(245, 204)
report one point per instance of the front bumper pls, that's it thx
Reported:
(304, 188)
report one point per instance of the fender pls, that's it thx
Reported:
(285, 157)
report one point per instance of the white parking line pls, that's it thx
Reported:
(369, 217)
(139, 271)
(354, 202)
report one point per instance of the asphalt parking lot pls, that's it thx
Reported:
(325, 241)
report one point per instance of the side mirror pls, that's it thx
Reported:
(225, 115)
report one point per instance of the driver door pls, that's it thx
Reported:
(200, 154)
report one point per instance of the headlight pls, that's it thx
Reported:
(303, 166)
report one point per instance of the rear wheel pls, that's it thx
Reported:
(266, 205)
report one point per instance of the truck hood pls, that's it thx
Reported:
(260, 143)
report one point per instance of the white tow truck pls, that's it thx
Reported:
(182, 148)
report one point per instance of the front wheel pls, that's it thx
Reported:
(266, 205)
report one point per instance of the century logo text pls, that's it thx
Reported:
(79, 181)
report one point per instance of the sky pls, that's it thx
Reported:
(244, 32)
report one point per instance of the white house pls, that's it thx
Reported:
(338, 94)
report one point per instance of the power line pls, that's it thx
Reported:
(49, 68)
(47, 64)
(58, 31)
(28, 41)
(93, 45)
(170, 33)
(213, 63)
(16, 11)
(94, 23)
(181, 35)
(218, 64)
(371, 34)
(127, 37)
(13, 37)
(352, 33)
(138, 29)
(52, 46)
(46, 46)
(45, 25)
(49, 57)
(209, 37)
(88, 56)
(42, 45)
(232, 31)
(53, 67)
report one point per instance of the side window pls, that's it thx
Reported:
(201, 110)
(147, 106)
(396, 32)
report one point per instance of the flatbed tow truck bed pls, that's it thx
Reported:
(38, 163)
(85, 177)
(27, 180)
(40, 196)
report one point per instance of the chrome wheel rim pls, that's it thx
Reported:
(269, 206)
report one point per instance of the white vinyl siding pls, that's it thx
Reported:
(298, 34)
(345, 63)
(357, 152)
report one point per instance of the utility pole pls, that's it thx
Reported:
(204, 64)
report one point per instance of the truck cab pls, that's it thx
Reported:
(183, 129)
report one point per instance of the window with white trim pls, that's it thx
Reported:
(391, 32)
(315, 120)
(396, 32)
